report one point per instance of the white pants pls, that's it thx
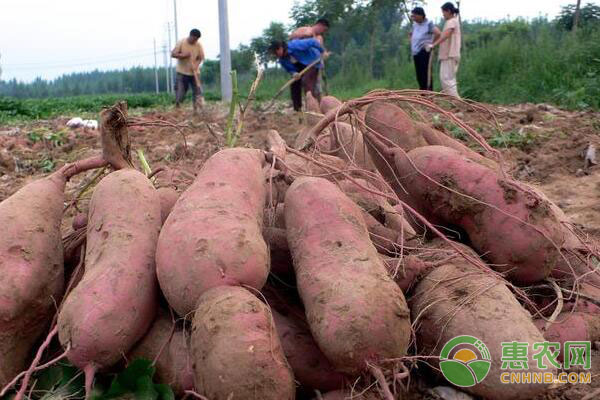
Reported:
(448, 70)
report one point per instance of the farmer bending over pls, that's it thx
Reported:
(294, 57)
(316, 31)
(189, 54)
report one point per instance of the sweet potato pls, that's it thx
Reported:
(576, 326)
(313, 110)
(391, 122)
(31, 264)
(79, 221)
(115, 302)
(406, 271)
(310, 366)
(236, 348)
(348, 144)
(458, 299)
(302, 166)
(394, 124)
(342, 281)
(434, 137)
(174, 366)
(168, 197)
(367, 198)
(213, 236)
(518, 230)
(329, 103)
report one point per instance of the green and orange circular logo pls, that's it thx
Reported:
(465, 361)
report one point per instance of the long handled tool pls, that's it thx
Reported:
(294, 79)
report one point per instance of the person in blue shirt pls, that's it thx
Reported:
(294, 56)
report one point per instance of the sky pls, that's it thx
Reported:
(41, 38)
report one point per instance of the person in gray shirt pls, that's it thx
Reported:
(423, 33)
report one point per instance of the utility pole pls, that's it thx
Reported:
(166, 67)
(225, 60)
(170, 68)
(175, 19)
(155, 68)
(577, 15)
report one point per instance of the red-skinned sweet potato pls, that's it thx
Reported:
(458, 299)
(236, 348)
(329, 103)
(328, 239)
(451, 188)
(572, 327)
(433, 137)
(31, 264)
(348, 144)
(168, 197)
(221, 214)
(174, 366)
(310, 366)
(115, 302)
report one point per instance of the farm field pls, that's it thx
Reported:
(541, 145)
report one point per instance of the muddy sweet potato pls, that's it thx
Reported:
(213, 236)
(168, 197)
(343, 283)
(31, 264)
(347, 143)
(458, 298)
(236, 349)
(394, 124)
(115, 302)
(310, 366)
(571, 326)
(518, 230)
(174, 366)
(433, 137)
(329, 103)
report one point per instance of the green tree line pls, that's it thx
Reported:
(503, 61)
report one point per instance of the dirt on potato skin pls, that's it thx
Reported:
(550, 160)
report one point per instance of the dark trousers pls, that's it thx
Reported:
(182, 84)
(422, 67)
(309, 83)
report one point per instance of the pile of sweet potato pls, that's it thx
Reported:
(280, 274)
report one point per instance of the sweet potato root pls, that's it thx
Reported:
(518, 229)
(434, 137)
(329, 103)
(115, 302)
(31, 264)
(310, 366)
(576, 326)
(328, 239)
(221, 214)
(168, 197)
(348, 145)
(391, 122)
(174, 366)
(236, 348)
(458, 299)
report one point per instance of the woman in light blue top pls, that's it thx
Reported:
(423, 33)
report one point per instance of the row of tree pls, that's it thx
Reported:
(365, 35)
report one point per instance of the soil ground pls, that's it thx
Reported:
(542, 145)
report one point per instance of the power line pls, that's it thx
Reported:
(80, 60)
(82, 64)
